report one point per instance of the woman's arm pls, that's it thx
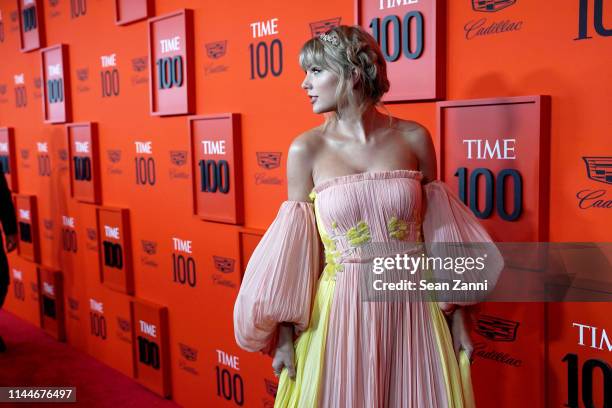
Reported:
(299, 185)
(299, 167)
(422, 146)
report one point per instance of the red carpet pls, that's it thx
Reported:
(35, 359)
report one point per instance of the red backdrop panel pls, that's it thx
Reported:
(55, 84)
(170, 63)
(8, 160)
(129, 11)
(27, 221)
(412, 37)
(494, 153)
(150, 341)
(115, 249)
(216, 167)
(31, 24)
(84, 154)
(51, 299)
(579, 355)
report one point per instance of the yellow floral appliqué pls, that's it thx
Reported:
(397, 228)
(312, 195)
(359, 234)
(332, 255)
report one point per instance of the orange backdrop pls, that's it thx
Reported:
(542, 57)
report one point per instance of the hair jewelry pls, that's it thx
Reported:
(330, 39)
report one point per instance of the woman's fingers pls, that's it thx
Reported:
(290, 367)
(468, 352)
(285, 362)
(284, 358)
(457, 345)
(468, 347)
(277, 366)
(447, 308)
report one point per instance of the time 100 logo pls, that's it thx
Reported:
(265, 57)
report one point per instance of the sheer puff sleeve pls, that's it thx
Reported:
(279, 280)
(451, 230)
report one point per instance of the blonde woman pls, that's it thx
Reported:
(360, 178)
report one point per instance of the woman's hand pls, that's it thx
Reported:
(284, 357)
(461, 337)
(447, 308)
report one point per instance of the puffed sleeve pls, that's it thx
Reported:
(451, 230)
(278, 284)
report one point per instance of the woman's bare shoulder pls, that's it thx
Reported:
(410, 130)
(306, 145)
(419, 141)
(300, 162)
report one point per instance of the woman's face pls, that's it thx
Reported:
(320, 85)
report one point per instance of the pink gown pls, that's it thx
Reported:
(350, 352)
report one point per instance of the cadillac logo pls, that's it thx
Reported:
(25, 153)
(496, 328)
(188, 353)
(124, 324)
(150, 247)
(53, 3)
(82, 74)
(73, 304)
(63, 154)
(178, 157)
(268, 160)
(323, 26)
(2, 89)
(222, 264)
(599, 168)
(139, 64)
(114, 155)
(14, 16)
(37, 82)
(91, 234)
(491, 5)
(48, 224)
(216, 49)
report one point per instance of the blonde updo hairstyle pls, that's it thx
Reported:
(347, 51)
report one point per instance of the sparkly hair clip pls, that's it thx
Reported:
(330, 39)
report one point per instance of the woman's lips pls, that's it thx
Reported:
(313, 99)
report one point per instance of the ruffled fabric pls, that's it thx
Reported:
(356, 353)
(448, 223)
(278, 284)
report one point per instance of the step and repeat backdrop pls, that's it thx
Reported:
(145, 143)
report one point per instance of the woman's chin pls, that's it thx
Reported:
(318, 110)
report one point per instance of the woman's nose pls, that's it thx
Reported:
(305, 83)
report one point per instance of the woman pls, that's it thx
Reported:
(361, 177)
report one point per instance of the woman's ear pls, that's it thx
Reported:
(355, 76)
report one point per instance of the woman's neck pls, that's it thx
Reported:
(355, 126)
